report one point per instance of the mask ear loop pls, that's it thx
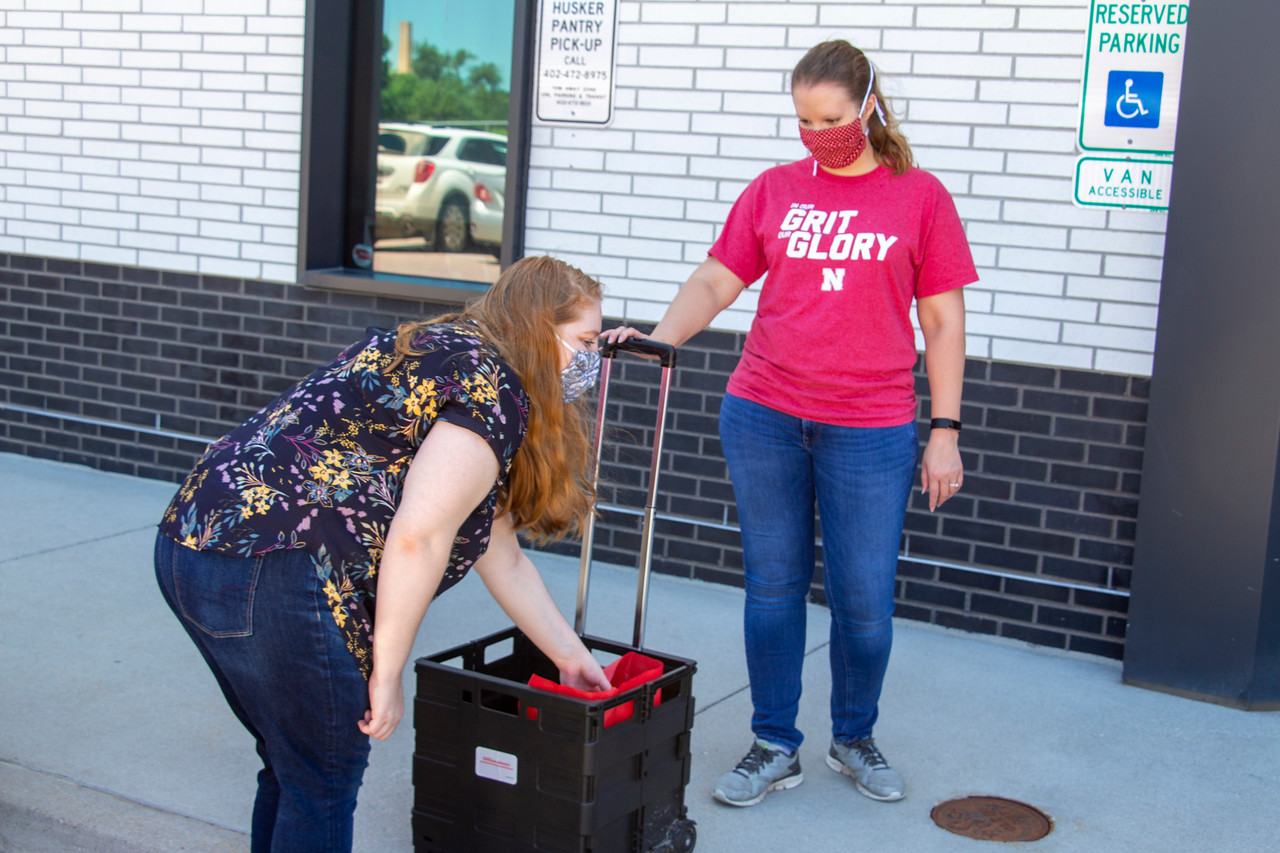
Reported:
(871, 84)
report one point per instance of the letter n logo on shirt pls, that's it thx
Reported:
(833, 279)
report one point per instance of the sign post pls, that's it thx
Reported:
(577, 41)
(1129, 99)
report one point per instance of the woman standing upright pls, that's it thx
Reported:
(366, 489)
(820, 410)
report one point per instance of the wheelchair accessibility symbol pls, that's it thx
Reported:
(1133, 98)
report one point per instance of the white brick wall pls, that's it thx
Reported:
(155, 133)
(988, 93)
(165, 133)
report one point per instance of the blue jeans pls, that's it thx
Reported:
(265, 629)
(860, 479)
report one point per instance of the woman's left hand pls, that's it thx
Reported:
(584, 674)
(941, 471)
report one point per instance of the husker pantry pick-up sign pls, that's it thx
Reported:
(575, 73)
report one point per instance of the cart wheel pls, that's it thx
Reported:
(683, 836)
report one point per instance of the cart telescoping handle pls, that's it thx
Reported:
(667, 357)
(666, 353)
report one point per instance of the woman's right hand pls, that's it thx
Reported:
(386, 706)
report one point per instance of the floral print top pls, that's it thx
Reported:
(321, 467)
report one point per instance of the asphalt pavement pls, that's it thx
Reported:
(115, 739)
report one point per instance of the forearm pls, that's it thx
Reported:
(408, 578)
(523, 596)
(515, 584)
(942, 324)
(944, 365)
(710, 290)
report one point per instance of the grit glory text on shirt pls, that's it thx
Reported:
(821, 235)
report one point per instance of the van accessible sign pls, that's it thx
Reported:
(1132, 76)
(577, 40)
(1140, 183)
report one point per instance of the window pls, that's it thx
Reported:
(488, 151)
(415, 144)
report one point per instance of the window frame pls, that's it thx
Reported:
(340, 106)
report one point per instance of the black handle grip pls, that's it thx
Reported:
(641, 346)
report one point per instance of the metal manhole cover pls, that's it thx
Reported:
(992, 819)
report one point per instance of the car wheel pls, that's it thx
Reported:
(452, 228)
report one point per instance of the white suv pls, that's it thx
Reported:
(444, 183)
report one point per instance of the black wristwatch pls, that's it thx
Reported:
(945, 423)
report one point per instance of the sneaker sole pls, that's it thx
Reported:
(840, 768)
(780, 785)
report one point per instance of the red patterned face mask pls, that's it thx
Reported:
(835, 147)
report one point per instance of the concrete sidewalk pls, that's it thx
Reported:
(113, 736)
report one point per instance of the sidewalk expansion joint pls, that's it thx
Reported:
(747, 686)
(77, 544)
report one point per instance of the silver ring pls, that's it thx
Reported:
(955, 485)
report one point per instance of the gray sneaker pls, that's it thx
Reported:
(871, 774)
(766, 767)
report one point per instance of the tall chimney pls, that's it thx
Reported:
(405, 63)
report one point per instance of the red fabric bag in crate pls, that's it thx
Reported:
(630, 670)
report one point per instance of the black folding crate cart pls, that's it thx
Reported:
(500, 766)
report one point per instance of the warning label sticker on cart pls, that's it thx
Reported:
(499, 766)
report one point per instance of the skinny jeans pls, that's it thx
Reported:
(859, 481)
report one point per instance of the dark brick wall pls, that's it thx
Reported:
(132, 370)
(165, 352)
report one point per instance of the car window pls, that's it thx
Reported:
(483, 151)
(410, 143)
(393, 143)
(472, 150)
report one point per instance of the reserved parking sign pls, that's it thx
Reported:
(1132, 78)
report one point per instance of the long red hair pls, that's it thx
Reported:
(547, 492)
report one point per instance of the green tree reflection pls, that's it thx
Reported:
(444, 87)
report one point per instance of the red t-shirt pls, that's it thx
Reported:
(832, 339)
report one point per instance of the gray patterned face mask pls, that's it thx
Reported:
(580, 374)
